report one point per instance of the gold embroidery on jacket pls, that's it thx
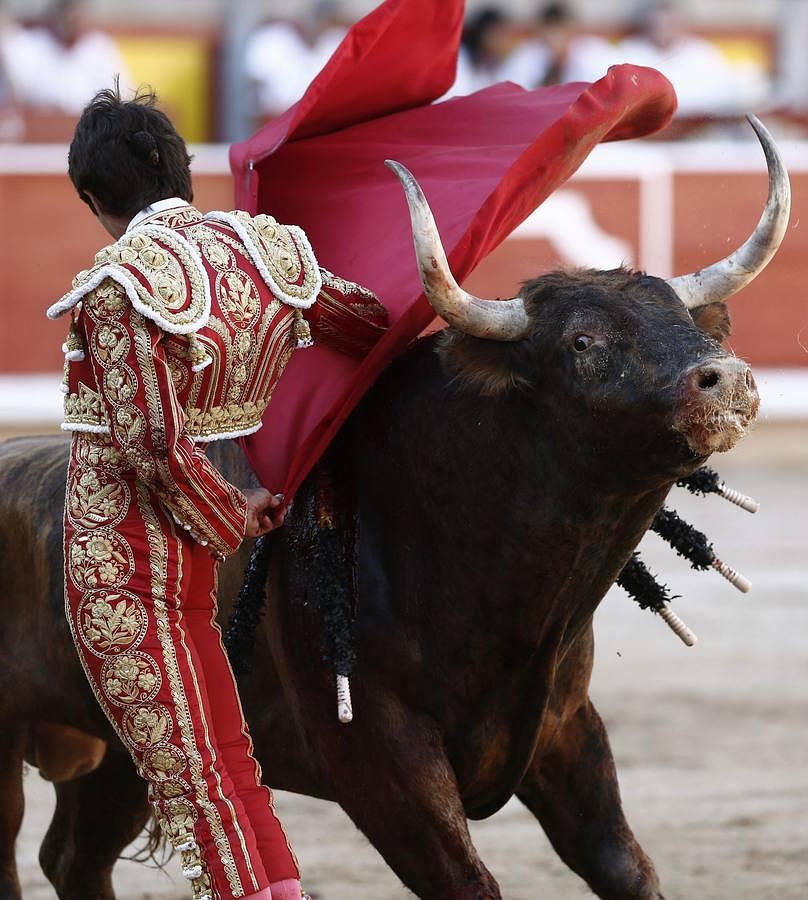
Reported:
(109, 301)
(232, 393)
(282, 254)
(238, 298)
(343, 286)
(110, 344)
(177, 289)
(163, 480)
(176, 360)
(85, 407)
(172, 788)
(247, 374)
(175, 218)
(129, 423)
(96, 451)
(240, 356)
(164, 762)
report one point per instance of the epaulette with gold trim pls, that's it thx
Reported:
(162, 273)
(281, 253)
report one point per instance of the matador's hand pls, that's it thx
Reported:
(262, 514)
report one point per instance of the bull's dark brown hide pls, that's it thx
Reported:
(490, 528)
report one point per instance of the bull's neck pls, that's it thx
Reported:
(561, 514)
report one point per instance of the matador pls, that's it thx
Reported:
(179, 333)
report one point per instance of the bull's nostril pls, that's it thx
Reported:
(708, 379)
(750, 381)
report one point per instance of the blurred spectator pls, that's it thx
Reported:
(60, 65)
(282, 58)
(557, 52)
(487, 41)
(704, 80)
(10, 123)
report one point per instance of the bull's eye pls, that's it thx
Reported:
(581, 342)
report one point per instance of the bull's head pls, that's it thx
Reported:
(622, 337)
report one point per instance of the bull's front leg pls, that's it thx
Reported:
(393, 779)
(12, 807)
(571, 788)
(96, 816)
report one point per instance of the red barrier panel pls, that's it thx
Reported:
(684, 220)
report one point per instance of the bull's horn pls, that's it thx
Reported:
(722, 279)
(498, 320)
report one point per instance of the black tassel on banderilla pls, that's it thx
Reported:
(688, 542)
(239, 636)
(321, 536)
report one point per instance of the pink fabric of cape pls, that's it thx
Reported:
(485, 162)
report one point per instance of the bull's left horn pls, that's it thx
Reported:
(724, 278)
(498, 320)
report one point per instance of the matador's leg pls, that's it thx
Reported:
(224, 712)
(126, 588)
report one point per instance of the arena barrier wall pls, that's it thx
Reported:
(665, 208)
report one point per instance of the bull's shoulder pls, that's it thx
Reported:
(32, 465)
(153, 268)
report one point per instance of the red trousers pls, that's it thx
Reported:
(141, 602)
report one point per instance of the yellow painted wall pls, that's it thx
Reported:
(180, 68)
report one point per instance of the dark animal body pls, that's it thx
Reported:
(492, 522)
(500, 485)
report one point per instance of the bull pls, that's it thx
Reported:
(504, 472)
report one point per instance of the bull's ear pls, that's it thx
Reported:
(713, 319)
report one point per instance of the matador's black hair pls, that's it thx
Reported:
(127, 154)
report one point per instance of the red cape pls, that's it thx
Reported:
(485, 162)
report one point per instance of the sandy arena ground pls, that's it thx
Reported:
(711, 742)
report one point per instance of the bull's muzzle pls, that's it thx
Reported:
(717, 401)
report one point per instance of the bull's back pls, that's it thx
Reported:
(32, 490)
(32, 468)
(36, 653)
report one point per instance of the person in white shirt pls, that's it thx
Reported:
(282, 58)
(557, 52)
(60, 65)
(487, 41)
(705, 82)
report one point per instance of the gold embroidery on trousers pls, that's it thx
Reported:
(111, 621)
(179, 827)
(99, 559)
(96, 498)
(130, 678)
(148, 725)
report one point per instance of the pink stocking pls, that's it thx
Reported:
(286, 890)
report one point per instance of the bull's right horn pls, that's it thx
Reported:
(722, 279)
(497, 320)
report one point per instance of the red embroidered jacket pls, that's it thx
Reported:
(180, 333)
